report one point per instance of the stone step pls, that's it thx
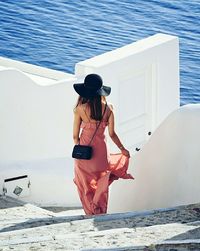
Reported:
(65, 211)
(27, 227)
(112, 238)
(68, 233)
(183, 245)
(9, 202)
(28, 211)
(14, 212)
(180, 214)
(13, 208)
(187, 245)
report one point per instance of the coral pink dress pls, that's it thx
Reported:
(93, 177)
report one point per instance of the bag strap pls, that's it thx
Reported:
(98, 125)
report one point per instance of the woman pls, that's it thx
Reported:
(94, 176)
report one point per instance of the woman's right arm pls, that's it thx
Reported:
(113, 135)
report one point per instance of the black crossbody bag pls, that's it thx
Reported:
(85, 151)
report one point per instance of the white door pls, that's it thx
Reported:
(137, 106)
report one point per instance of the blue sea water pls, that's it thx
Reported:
(58, 34)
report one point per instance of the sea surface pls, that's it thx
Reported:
(58, 34)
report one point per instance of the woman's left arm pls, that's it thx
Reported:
(76, 126)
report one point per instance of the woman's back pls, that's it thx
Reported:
(85, 112)
(89, 126)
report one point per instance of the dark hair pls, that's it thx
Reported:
(94, 105)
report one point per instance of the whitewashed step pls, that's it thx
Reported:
(180, 214)
(39, 229)
(183, 245)
(15, 212)
(65, 211)
(112, 238)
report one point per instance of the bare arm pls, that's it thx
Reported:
(76, 126)
(114, 136)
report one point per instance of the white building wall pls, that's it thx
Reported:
(144, 77)
(166, 169)
(36, 121)
(51, 181)
(36, 133)
(37, 73)
(36, 127)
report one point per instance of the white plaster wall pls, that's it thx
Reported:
(36, 128)
(144, 77)
(36, 136)
(51, 181)
(36, 121)
(35, 71)
(166, 169)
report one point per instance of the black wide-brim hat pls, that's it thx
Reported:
(92, 86)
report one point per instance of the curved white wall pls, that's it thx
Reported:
(36, 121)
(166, 169)
(36, 136)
